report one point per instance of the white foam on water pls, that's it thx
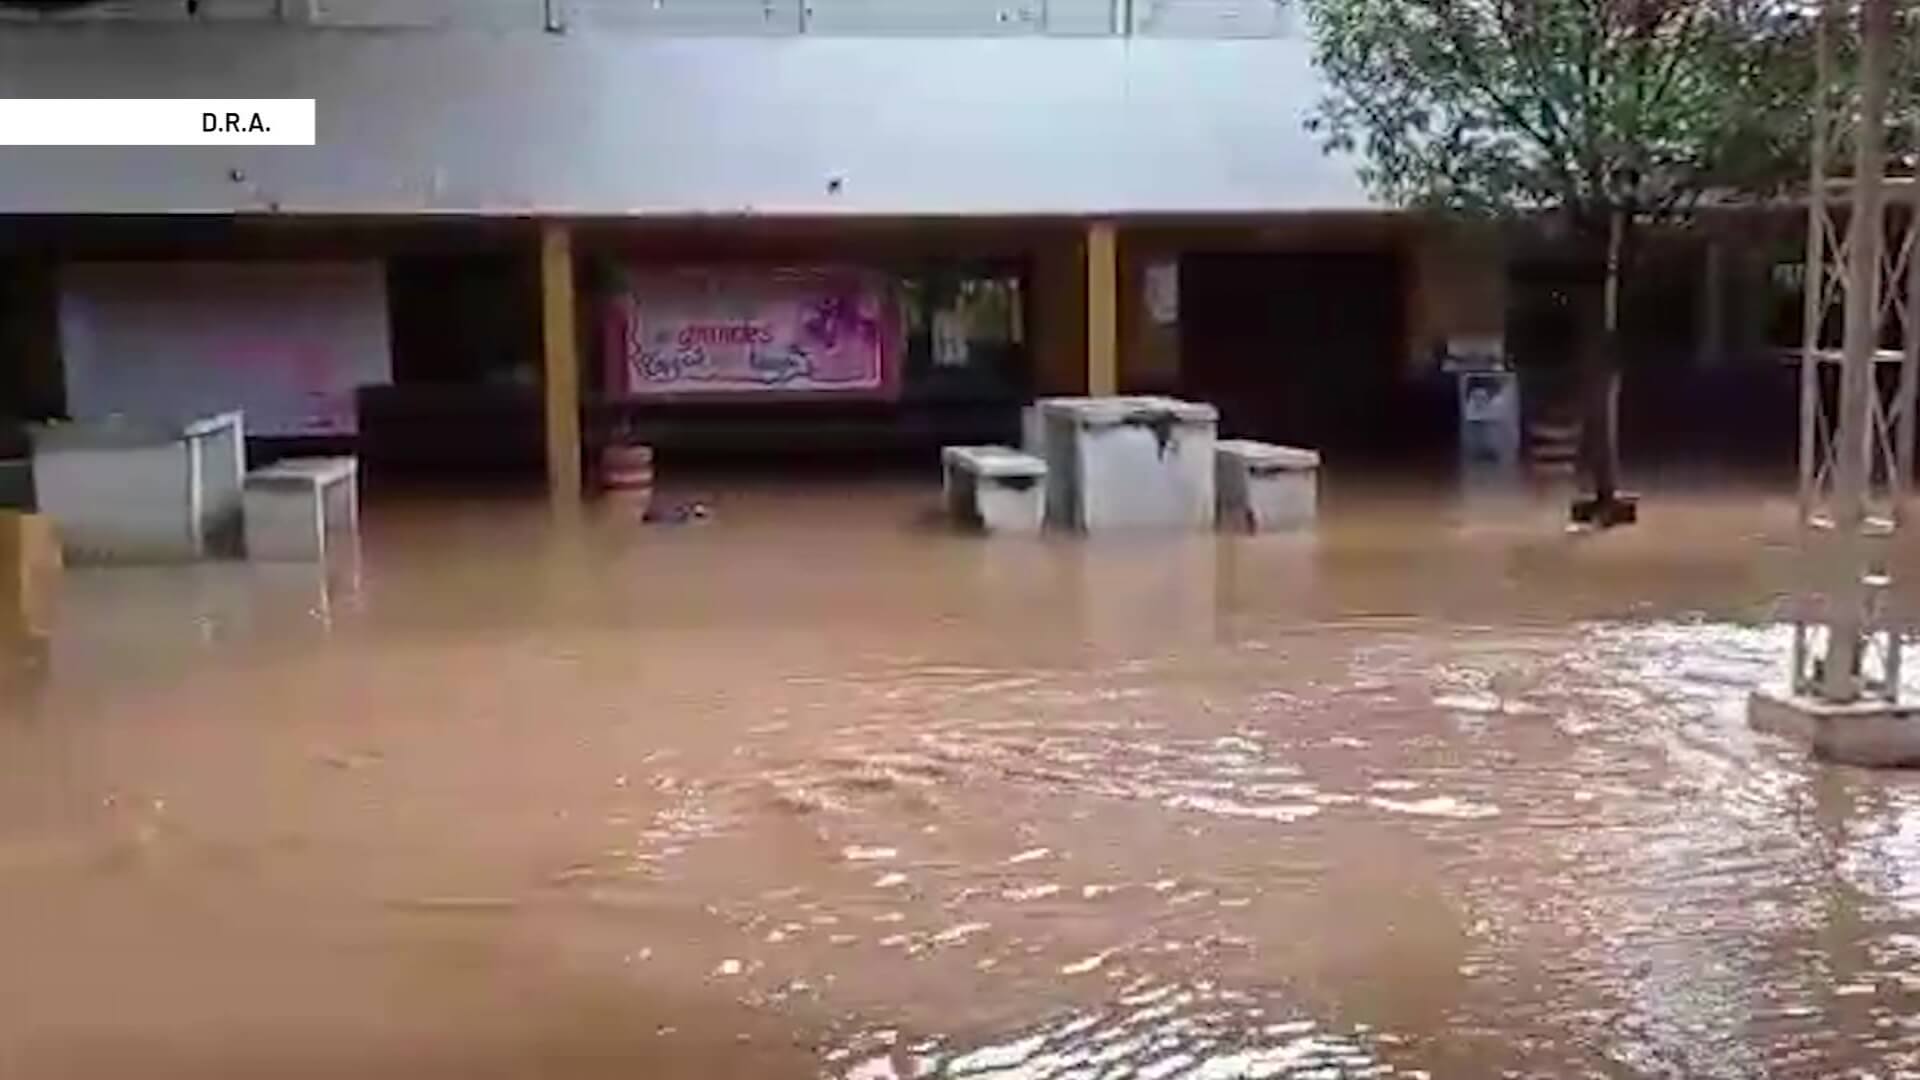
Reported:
(1086, 964)
(953, 935)
(1001, 1056)
(1485, 704)
(1440, 806)
(1280, 813)
(879, 1068)
(1394, 785)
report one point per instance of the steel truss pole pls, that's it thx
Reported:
(1856, 410)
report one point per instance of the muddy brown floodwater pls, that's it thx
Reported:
(816, 789)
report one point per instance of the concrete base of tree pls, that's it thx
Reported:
(1874, 734)
(1606, 513)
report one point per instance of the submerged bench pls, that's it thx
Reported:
(293, 505)
(1262, 487)
(995, 488)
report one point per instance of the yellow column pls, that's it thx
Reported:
(1103, 310)
(561, 363)
(29, 564)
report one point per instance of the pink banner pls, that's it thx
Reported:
(725, 330)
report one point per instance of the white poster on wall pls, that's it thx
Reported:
(287, 342)
(950, 329)
(1163, 293)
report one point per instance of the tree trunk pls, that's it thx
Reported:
(1600, 395)
(1600, 416)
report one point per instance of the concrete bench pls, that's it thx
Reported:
(995, 488)
(1263, 487)
(293, 505)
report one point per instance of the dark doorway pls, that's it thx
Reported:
(1299, 348)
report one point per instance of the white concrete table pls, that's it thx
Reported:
(293, 505)
(1117, 463)
(127, 490)
(995, 488)
(1263, 487)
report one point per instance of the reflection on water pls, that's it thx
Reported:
(813, 790)
(1154, 1031)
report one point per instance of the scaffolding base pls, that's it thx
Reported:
(1874, 734)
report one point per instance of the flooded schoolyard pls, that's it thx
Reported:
(817, 788)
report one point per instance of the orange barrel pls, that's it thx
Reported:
(626, 475)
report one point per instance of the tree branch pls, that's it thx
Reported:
(1479, 79)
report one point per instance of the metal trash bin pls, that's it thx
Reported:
(1129, 463)
(1489, 416)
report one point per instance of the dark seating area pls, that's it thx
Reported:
(1745, 413)
(16, 467)
(450, 428)
(422, 429)
(806, 428)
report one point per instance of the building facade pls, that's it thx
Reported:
(1060, 195)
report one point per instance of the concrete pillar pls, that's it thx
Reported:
(1103, 310)
(560, 355)
(1059, 327)
(1713, 322)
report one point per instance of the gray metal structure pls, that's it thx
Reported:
(1856, 398)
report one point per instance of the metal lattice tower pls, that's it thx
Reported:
(1856, 396)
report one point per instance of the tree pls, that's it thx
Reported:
(1590, 118)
